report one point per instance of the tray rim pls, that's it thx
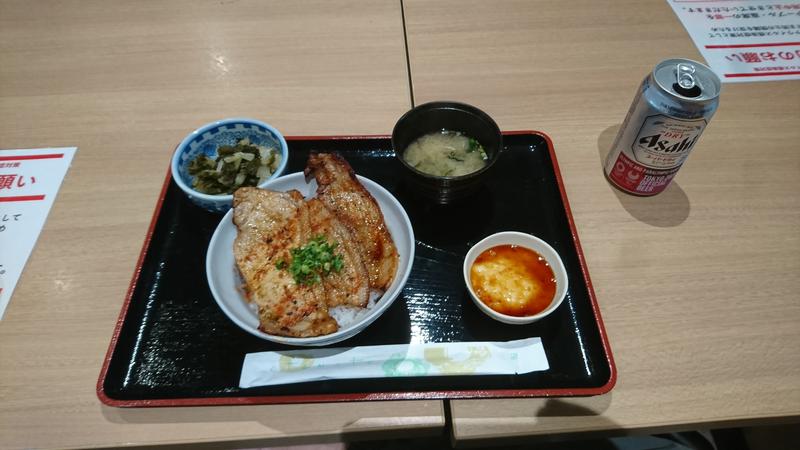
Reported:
(374, 396)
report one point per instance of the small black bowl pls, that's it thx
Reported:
(451, 116)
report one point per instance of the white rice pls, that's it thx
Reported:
(346, 316)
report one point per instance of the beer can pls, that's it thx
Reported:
(671, 109)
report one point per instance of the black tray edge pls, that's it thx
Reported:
(426, 395)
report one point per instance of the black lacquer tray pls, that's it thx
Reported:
(174, 346)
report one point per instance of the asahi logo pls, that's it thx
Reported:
(656, 142)
(665, 142)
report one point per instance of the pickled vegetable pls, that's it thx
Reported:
(235, 166)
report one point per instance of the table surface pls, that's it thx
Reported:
(697, 286)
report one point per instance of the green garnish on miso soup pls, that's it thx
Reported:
(313, 261)
(446, 154)
(243, 164)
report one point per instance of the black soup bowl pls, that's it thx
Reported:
(450, 116)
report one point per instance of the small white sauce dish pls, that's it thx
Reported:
(523, 240)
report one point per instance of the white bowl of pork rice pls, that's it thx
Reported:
(229, 287)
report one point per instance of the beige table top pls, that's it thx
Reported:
(124, 82)
(699, 285)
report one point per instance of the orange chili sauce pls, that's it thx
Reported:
(513, 280)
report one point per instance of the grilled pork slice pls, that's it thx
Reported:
(269, 227)
(339, 189)
(349, 286)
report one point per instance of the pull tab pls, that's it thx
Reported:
(685, 76)
(685, 84)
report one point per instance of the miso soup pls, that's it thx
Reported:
(446, 154)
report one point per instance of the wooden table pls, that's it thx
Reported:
(124, 82)
(699, 285)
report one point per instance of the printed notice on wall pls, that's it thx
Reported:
(29, 182)
(757, 40)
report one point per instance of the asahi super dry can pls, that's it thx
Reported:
(669, 113)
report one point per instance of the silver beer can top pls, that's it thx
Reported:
(689, 81)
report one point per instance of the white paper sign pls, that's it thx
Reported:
(745, 40)
(29, 182)
(402, 360)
